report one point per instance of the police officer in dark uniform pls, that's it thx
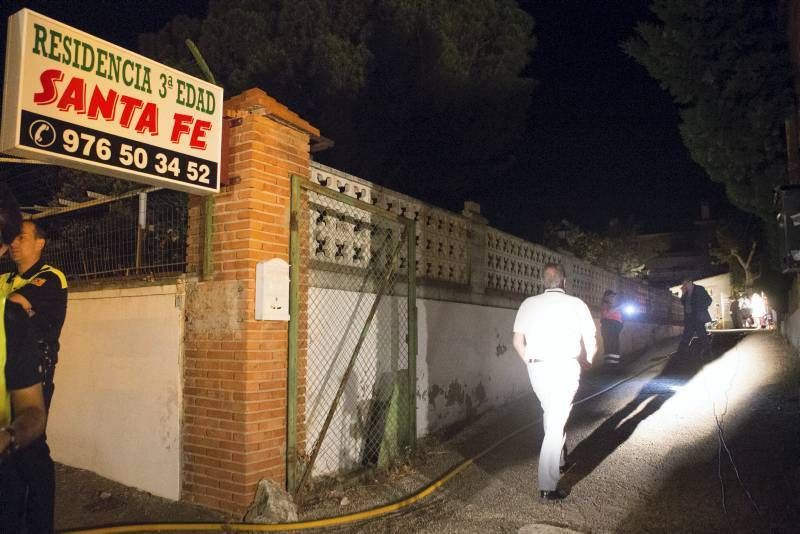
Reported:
(41, 291)
(22, 411)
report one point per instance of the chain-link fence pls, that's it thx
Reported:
(140, 234)
(354, 404)
(98, 229)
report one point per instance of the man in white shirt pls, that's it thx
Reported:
(548, 332)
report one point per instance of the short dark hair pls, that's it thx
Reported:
(553, 276)
(38, 231)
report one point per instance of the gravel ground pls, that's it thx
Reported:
(647, 453)
(84, 499)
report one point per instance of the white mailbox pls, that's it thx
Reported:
(272, 290)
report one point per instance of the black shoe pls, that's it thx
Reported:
(553, 495)
(566, 467)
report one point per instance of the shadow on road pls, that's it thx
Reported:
(615, 430)
(708, 493)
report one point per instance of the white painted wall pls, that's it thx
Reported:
(331, 342)
(118, 399)
(465, 352)
(791, 328)
(465, 365)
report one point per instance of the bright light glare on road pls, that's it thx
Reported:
(722, 387)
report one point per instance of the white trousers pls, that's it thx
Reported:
(555, 384)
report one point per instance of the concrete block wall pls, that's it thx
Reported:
(467, 363)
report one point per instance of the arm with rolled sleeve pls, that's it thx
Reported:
(588, 330)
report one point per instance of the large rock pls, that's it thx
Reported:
(271, 505)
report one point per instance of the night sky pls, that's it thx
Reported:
(603, 137)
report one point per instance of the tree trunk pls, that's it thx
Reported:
(749, 276)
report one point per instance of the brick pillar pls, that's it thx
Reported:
(234, 428)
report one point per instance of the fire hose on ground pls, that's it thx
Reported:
(354, 517)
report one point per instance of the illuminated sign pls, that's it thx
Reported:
(78, 101)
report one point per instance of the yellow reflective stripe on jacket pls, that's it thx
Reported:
(6, 287)
(50, 269)
(5, 397)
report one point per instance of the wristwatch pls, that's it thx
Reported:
(13, 446)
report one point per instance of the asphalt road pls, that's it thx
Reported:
(688, 445)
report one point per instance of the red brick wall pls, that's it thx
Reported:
(234, 430)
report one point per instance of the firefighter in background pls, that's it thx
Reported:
(611, 326)
(41, 291)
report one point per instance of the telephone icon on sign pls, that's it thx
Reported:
(42, 133)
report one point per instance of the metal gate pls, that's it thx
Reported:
(352, 335)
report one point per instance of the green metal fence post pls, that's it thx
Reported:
(412, 332)
(294, 330)
(207, 266)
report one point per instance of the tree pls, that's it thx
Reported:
(617, 249)
(733, 250)
(424, 97)
(737, 245)
(727, 67)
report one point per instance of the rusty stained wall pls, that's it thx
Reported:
(216, 309)
(467, 363)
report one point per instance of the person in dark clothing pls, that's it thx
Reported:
(22, 413)
(611, 327)
(695, 300)
(736, 317)
(41, 291)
